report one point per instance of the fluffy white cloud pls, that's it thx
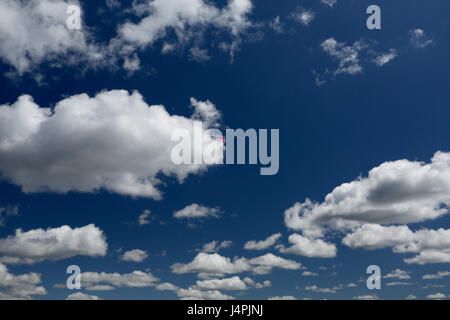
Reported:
(395, 192)
(215, 246)
(347, 56)
(432, 245)
(309, 274)
(52, 244)
(313, 248)
(216, 264)
(19, 286)
(166, 286)
(282, 298)
(398, 274)
(315, 288)
(263, 244)
(195, 211)
(114, 141)
(436, 296)
(144, 217)
(135, 279)
(136, 255)
(419, 39)
(81, 296)
(35, 31)
(329, 3)
(367, 297)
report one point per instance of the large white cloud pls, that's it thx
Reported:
(135, 279)
(114, 141)
(233, 283)
(52, 244)
(395, 192)
(22, 286)
(313, 248)
(35, 31)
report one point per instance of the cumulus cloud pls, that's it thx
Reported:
(439, 275)
(234, 283)
(52, 244)
(396, 192)
(35, 31)
(329, 3)
(195, 294)
(313, 248)
(419, 39)
(367, 297)
(282, 298)
(135, 279)
(82, 296)
(215, 246)
(195, 211)
(315, 288)
(24, 286)
(136, 255)
(262, 244)
(216, 264)
(348, 56)
(436, 296)
(309, 274)
(114, 141)
(144, 217)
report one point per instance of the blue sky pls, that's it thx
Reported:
(347, 100)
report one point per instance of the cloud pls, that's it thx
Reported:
(136, 255)
(419, 39)
(52, 244)
(303, 16)
(135, 279)
(215, 246)
(195, 211)
(439, 275)
(432, 245)
(263, 244)
(315, 288)
(195, 294)
(398, 283)
(144, 217)
(381, 59)
(398, 274)
(186, 20)
(329, 3)
(35, 31)
(276, 25)
(216, 264)
(8, 211)
(114, 141)
(198, 55)
(313, 248)
(367, 297)
(347, 56)
(436, 296)
(396, 192)
(13, 287)
(410, 297)
(81, 296)
(282, 298)
(309, 274)
(166, 286)
(234, 283)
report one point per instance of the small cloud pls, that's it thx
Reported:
(419, 39)
(382, 59)
(303, 16)
(276, 25)
(136, 255)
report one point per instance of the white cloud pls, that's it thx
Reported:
(303, 16)
(309, 274)
(234, 283)
(135, 279)
(382, 59)
(81, 296)
(439, 275)
(313, 248)
(144, 217)
(22, 286)
(276, 25)
(35, 31)
(52, 244)
(410, 297)
(195, 294)
(395, 192)
(263, 244)
(347, 56)
(136, 255)
(282, 298)
(216, 264)
(166, 286)
(398, 274)
(419, 39)
(367, 297)
(398, 283)
(436, 296)
(329, 3)
(432, 245)
(215, 246)
(195, 211)
(114, 141)
(315, 288)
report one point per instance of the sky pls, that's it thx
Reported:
(87, 179)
